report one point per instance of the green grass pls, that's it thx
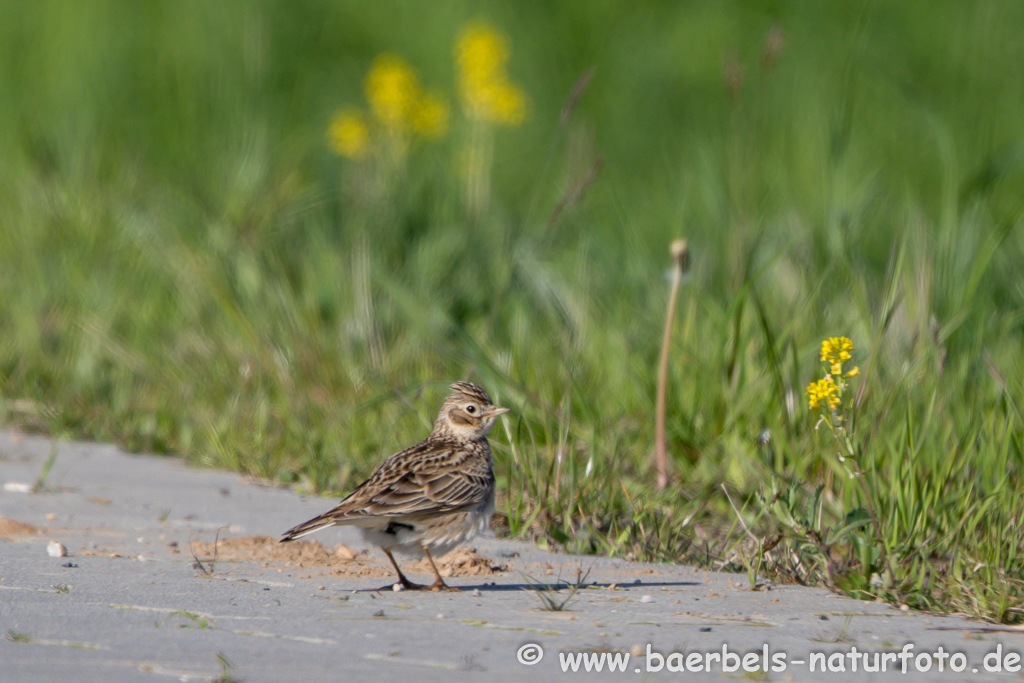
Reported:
(186, 268)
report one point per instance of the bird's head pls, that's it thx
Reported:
(467, 413)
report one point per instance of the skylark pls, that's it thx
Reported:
(432, 496)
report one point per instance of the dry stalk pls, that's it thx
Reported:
(681, 256)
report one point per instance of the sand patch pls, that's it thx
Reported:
(12, 528)
(267, 549)
(338, 561)
(461, 562)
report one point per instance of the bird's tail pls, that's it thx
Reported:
(306, 528)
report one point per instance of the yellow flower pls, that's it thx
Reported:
(481, 53)
(507, 105)
(836, 350)
(348, 134)
(854, 372)
(430, 116)
(823, 391)
(392, 90)
(486, 93)
(397, 101)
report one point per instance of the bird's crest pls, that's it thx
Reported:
(468, 390)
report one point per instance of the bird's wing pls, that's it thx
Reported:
(431, 477)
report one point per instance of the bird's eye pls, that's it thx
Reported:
(470, 409)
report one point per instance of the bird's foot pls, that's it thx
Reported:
(407, 585)
(440, 585)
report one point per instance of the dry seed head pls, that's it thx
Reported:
(681, 253)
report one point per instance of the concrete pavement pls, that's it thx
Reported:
(130, 602)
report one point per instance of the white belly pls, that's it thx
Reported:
(408, 535)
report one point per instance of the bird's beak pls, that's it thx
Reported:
(495, 412)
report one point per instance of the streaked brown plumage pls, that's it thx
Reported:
(434, 495)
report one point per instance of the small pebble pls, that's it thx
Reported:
(70, 565)
(646, 598)
(823, 617)
(379, 613)
(705, 629)
(345, 553)
(637, 651)
(321, 588)
(50, 516)
(54, 549)
(440, 616)
(476, 592)
(398, 588)
(904, 608)
(17, 487)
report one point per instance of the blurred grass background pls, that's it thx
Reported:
(186, 267)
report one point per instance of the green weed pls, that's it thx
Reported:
(549, 596)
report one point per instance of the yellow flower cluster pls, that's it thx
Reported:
(397, 103)
(486, 92)
(834, 351)
(823, 391)
(401, 109)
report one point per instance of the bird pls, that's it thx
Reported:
(430, 497)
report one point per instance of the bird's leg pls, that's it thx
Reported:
(439, 584)
(406, 583)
